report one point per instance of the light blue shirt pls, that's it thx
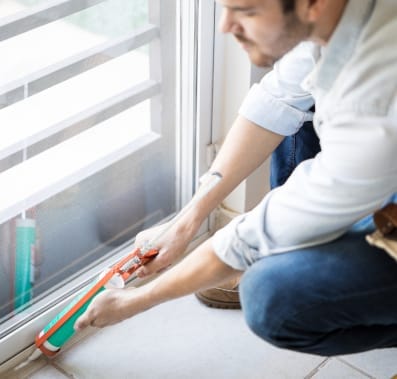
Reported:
(353, 83)
(279, 102)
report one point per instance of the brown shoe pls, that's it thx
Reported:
(223, 297)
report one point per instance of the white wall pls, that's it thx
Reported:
(233, 77)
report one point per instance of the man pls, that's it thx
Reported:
(311, 283)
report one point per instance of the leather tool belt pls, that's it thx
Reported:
(385, 235)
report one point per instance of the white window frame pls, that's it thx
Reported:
(234, 74)
(195, 77)
(196, 83)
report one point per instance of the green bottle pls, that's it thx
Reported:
(25, 242)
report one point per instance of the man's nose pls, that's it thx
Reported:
(227, 22)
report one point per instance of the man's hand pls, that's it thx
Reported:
(171, 245)
(113, 306)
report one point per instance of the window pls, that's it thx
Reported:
(100, 138)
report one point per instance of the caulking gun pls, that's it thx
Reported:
(58, 331)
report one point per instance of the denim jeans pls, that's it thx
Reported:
(331, 299)
(293, 150)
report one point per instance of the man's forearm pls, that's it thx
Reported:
(201, 269)
(245, 148)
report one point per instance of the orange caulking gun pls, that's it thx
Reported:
(58, 331)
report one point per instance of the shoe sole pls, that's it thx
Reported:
(217, 304)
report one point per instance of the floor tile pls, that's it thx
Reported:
(48, 372)
(335, 369)
(182, 339)
(381, 364)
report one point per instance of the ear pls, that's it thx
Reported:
(309, 11)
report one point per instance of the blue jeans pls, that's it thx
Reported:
(293, 150)
(331, 299)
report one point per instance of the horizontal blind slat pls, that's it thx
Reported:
(70, 162)
(94, 95)
(83, 61)
(98, 112)
(40, 15)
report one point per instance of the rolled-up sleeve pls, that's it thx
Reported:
(279, 103)
(355, 173)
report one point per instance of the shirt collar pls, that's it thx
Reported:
(341, 46)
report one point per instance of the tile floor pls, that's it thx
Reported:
(184, 339)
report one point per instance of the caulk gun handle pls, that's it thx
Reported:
(145, 258)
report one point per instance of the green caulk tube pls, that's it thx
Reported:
(25, 241)
(66, 331)
(55, 341)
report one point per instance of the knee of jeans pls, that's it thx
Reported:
(261, 296)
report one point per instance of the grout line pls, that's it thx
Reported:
(62, 370)
(317, 368)
(355, 368)
(16, 371)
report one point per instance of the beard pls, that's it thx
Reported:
(292, 33)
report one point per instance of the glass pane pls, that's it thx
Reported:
(43, 248)
(46, 246)
(129, 15)
(42, 49)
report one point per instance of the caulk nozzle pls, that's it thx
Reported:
(36, 354)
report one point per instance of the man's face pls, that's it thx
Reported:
(262, 28)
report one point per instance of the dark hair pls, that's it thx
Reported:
(288, 5)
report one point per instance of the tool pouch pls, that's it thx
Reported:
(385, 235)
